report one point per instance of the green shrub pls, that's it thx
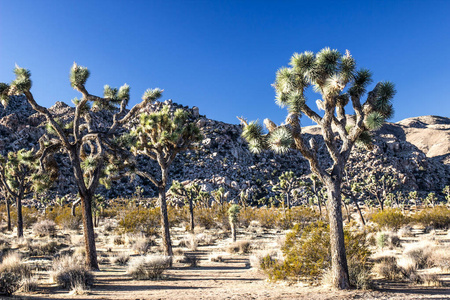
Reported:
(307, 252)
(142, 220)
(438, 217)
(29, 216)
(391, 218)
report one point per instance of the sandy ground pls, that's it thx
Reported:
(231, 279)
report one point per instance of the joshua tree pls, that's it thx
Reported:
(19, 177)
(233, 215)
(161, 136)
(219, 195)
(446, 192)
(379, 185)
(335, 78)
(189, 194)
(5, 195)
(92, 145)
(287, 182)
(431, 199)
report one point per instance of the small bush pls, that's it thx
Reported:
(391, 218)
(307, 252)
(44, 228)
(9, 282)
(437, 217)
(140, 243)
(40, 248)
(189, 259)
(148, 267)
(121, 260)
(387, 239)
(406, 231)
(29, 285)
(421, 253)
(142, 220)
(12, 263)
(387, 267)
(216, 257)
(68, 272)
(239, 247)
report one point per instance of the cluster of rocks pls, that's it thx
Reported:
(223, 158)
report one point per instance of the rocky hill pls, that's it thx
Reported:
(416, 149)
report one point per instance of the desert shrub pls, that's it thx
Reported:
(189, 259)
(190, 242)
(143, 220)
(216, 257)
(148, 267)
(29, 216)
(139, 242)
(69, 272)
(440, 257)
(268, 217)
(406, 231)
(391, 218)
(42, 248)
(204, 217)
(204, 239)
(29, 285)
(44, 228)
(13, 263)
(421, 253)
(121, 260)
(65, 219)
(437, 217)
(300, 215)
(387, 239)
(359, 275)
(388, 268)
(307, 252)
(9, 282)
(430, 279)
(239, 247)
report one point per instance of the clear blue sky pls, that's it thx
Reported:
(222, 55)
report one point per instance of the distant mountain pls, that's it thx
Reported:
(416, 149)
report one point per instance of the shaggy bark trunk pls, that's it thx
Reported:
(19, 217)
(8, 215)
(191, 213)
(288, 201)
(233, 231)
(74, 205)
(167, 244)
(88, 228)
(338, 256)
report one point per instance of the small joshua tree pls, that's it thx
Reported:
(161, 136)
(233, 216)
(219, 195)
(287, 182)
(446, 192)
(93, 146)
(190, 194)
(19, 177)
(379, 185)
(335, 79)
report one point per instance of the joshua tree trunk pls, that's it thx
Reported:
(191, 213)
(338, 255)
(359, 209)
(19, 217)
(288, 201)
(88, 228)
(167, 244)
(8, 214)
(233, 231)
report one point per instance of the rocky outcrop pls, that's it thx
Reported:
(420, 158)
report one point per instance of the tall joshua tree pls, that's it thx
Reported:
(335, 79)
(19, 177)
(161, 136)
(91, 145)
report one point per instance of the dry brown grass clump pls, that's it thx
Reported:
(44, 228)
(69, 272)
(387, 267)
(149, 267)
(239, 247)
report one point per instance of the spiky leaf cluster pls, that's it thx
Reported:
(164, 133)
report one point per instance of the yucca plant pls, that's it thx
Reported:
(94, 148)
(161, 136)
(335, 78)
